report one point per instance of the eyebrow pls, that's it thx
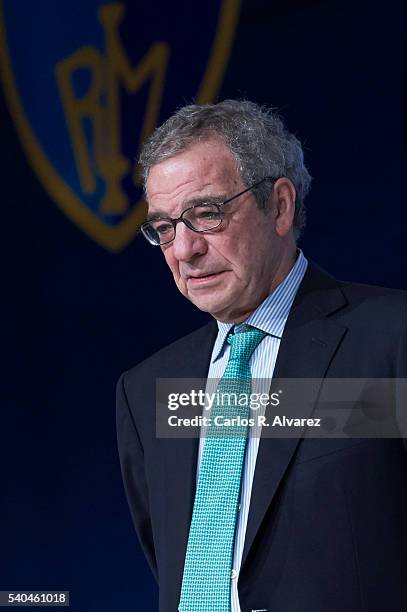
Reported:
(209, 199)
(156, 215)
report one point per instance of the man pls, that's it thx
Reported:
(254, 523)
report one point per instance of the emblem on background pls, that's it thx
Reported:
(87, 82)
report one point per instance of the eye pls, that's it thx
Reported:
(162, 227)
(207, 212)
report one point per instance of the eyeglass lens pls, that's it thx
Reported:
(200, 218)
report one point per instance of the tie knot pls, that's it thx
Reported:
(244, 343)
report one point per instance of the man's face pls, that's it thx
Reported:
(229, 271)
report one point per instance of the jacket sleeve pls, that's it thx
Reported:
(133, 473)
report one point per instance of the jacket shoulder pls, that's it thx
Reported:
(381, 300)
(363, 289)
(171, 359)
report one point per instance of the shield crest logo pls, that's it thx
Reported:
(87, 82)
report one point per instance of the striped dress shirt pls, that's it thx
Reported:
(270, 317)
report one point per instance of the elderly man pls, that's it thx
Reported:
(249, 523)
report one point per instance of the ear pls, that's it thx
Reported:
(284, 196)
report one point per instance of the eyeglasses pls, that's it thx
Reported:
(200, 218)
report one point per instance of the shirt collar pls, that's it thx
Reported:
(271, 315)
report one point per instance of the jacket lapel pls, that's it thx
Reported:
(309, 342)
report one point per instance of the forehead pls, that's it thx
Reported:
(205, 167)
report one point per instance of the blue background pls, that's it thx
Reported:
(74, 315)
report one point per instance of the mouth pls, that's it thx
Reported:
(201, 279)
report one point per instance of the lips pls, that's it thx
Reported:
(204, 277)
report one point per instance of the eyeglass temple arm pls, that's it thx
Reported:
(266, 178)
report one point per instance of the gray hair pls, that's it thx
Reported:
(256, 137)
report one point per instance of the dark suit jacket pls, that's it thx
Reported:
(327, 527)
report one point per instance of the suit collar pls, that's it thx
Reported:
(319, 294)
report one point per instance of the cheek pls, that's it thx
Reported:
(241, 253)
(249, 256)
(173, 265)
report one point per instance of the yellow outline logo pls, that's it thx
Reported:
(110, 72)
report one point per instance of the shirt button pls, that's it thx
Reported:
(238, 508)
(233, 574)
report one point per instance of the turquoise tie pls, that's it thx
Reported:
(208, 560)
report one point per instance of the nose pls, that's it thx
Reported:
(187, 244)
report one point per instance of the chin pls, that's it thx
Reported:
(216, 304)
(205, 307)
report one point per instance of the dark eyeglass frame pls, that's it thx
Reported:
(175, 221)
